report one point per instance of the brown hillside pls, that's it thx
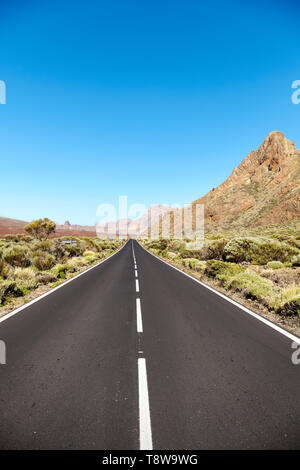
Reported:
(263, 190)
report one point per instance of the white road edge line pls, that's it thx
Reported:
(139, 321)
(23, 307)
(137, 287)
(144, 408)
(245, 309)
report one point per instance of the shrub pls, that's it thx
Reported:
(214, 249)
(44, 261)
(296, 260)
(89, 253)
(73, 250)
(25, 277)
(90, 259)
(290, 308)
(274, 265)
(195, 245)
(9, 289)
(221, 269)
(171, 255)
(185, 253)
(40, 228)
(190, 262)
(200, 266)
(177, 245)
(160, 244)
(17, 237)
(45, 245)
(59, 271)
(17, 256)
(5, 269)
(58, 251)
(236, 277)
(76, 263)
(252, 285)
(45, 278)
(258, 250)
(198, 254)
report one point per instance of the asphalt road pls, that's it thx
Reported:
(90, 367)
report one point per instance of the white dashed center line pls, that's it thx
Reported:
(144, 407)
(139, 321)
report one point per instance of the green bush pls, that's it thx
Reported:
(200, 266)
(296, 260)
(44, 261)
(6, 269)
(9, 289)
(253, 285)
(45, 245)
(40, 228)
(185, 253)
(76, 263)
(258, 250)
(17, 255)
(25, 278)
(235, 277)
(61, 270)
(171, 255)
(214, 249)
(290, 308)
(89, 253)
(73, 250)
(274, 265)
(160, 244)
(18, 237)
(177, 245)
(45, 278)
(222, 269)
(190, 263)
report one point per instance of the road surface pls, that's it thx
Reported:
(125, 357)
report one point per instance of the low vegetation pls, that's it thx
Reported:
(29, 262)
(263, 268)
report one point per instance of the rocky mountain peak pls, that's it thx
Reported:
(263, 190)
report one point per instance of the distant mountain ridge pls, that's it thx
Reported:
(12, 226)
(134, 227)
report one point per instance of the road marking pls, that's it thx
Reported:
(139, 322)
(144, 408)
(23, 307)
(245, 309)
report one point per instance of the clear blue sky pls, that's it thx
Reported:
(156, 100)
